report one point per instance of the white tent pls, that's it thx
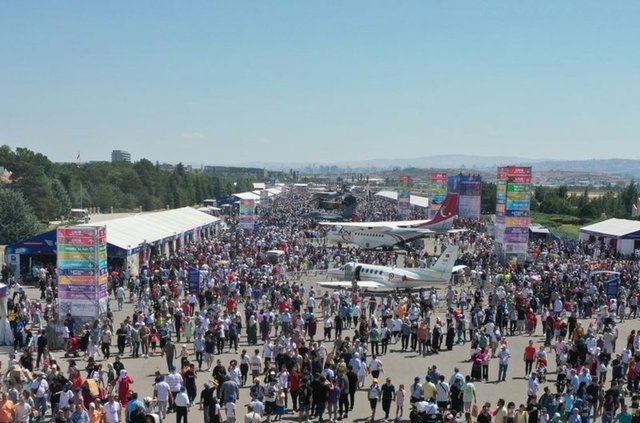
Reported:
(132, 231)
(414, 200)
(623, 232)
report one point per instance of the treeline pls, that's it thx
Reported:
(53, 189)
(559, 200)
(584, 206)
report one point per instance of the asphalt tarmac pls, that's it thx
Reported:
(400, 366)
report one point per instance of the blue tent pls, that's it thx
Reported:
(46, 244)
(43, 244)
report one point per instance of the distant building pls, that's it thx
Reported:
(232, 170)
(118, 156)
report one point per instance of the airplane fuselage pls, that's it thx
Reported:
(376, 237)
(392, 277)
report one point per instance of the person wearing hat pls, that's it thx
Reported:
(40, 388)
(416, 391)
(182, 405)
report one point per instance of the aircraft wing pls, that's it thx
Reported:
(376, 226)
(367, 285)
(379, 225)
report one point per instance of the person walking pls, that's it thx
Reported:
(182, 405)
(388, 396)
(529, 357)
(503, 356)
(169, 351)
(374, 396)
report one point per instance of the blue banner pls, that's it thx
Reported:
(612, 287)
(194, 280)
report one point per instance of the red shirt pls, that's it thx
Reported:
(530, 353)
(231, 304)
(294, 381)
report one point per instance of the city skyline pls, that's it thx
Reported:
(329, 82)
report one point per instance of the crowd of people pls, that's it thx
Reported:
(298, 349)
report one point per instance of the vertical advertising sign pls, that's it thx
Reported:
(470, 189)
(513, 209)
(247, 214)
(404, 195)
(194, 280)
(82, 267)
(438, 191)
(264, 199)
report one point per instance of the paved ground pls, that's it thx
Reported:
(402, 367)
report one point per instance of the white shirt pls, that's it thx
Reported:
(41, 386)
(162, 391)
(120, 292)
(174, 380)
(182, 400)
(65, 396)
(256, 363)
(112, 412)
(375, 365)
(230, 409)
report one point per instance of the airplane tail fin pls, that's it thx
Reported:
(349, 213)
(447, 260)
(448, 209)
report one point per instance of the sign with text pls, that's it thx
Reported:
(82, 271)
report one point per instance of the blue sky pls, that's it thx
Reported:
(320, 81)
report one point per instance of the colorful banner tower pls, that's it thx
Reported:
(404, 195)
(469, 190)
(247, 214)
(513, 214)
(470, 196)
(438, 189)
(82, 272)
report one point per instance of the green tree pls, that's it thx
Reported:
(36, 188)
(488, 199)
(17, 220)
(60, 194)
(628, 197)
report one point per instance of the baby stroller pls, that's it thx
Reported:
(541, 370)
(72, 349)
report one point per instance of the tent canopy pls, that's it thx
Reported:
(44, 244)
(246, 196)
(614, 228)
(415, 200)
(130, 232)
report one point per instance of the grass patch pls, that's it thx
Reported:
(565, 226)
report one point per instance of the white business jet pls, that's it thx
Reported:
(371, 277)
